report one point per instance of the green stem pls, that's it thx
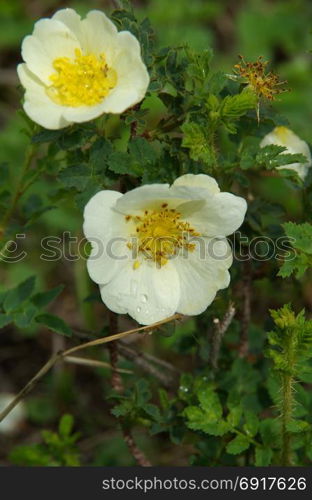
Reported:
(286, 414)
(287, 397)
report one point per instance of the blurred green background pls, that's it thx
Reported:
(280, 31)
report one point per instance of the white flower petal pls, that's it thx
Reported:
(152, 196)
(50, 40)
(82, 114)
(148, 294)
(220, 215)
(202, 273)
(283, 136)
(105, 258)
(99, 33)
(72, 20)
(100, 218)
(37, 104)
(198, 181)
(57, 40)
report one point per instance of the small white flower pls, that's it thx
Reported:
(283, 136)
(161, 249)
(77, 69)
(13, 420)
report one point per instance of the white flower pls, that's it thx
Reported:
(161, 249)
(283, 136)
(13, 420)
(77, 69)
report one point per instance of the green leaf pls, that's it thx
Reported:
(251, 424)
(210, 403)
(24, 318)
(16, 296)
(301, 235)
(197, 420)
(233, 107)
(152, 411)
(142, 152)
(264, 456)
(5, 319)
(100, 152)
(269, 431)
(298, 426)
(42, 299)
(47, 136)
(54, 323)
(122, 409)
(234, 416)
(196, 140)
(119, 162)
(237, 445)
(66, 425)
(76, 176)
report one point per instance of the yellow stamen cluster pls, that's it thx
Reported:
(264, 84)
(160, 235)
(84, 81)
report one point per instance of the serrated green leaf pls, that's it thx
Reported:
(122, 409)
(55, 324)
(210, 403)
(119, 162)
(196, 140)
(237, 445)
(76, 176)
(298, 426)
(251, 424)
(301, 235)
(233, 107)
(234, 416)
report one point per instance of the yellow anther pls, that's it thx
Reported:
(83, 81)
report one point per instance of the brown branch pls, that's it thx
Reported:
(56, 357)
(218, 334)
(140, 359)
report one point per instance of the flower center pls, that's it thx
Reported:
(160, 235)
(84, 81)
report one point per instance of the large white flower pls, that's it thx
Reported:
(77, 69)
(283, 136)
(161, 249)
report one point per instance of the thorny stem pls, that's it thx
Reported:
(218, 334)
(287, 397)
(59, 356)
(286, 418)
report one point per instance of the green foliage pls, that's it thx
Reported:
(195, 118)
(23, 307)
(300, 236)
(290, 350)
(56, 449)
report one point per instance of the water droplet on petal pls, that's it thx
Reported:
(144, 298)
(138, 309)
